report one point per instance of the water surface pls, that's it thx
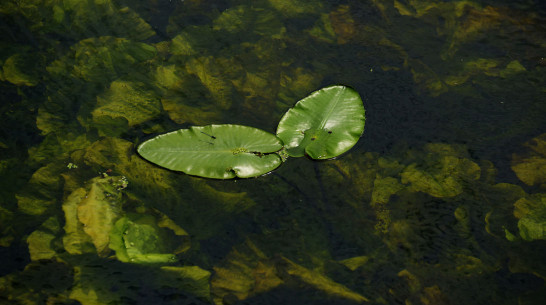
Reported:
(442, 200)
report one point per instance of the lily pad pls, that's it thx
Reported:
(215, 151)
(323, 125)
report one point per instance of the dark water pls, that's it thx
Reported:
(441, 201)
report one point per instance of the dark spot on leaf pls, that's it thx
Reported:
(213, 137)
(257, 153)
(330, 131)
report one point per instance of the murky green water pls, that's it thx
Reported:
(442, 201)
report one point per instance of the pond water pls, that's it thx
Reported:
(441, 201)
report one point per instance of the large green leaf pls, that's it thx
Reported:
(215, 151)
(323, 125)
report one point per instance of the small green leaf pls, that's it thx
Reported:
(323, 125)
(136, 238)
(215, 151)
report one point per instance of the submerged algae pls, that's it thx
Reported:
(434, 229)
(446, 178)
(532, 217)
(131, 102)
(139, 238)
(102, 59)
(40, 193)
(530, 167)
(98, 210)
(41, 242)
(248, 272)
(22, 69)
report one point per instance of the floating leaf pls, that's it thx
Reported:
(215, 151)
(323, 125)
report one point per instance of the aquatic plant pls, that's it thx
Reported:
(323, 125)
(414, 222)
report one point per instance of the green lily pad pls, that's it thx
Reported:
(323, 125)
(215, 151)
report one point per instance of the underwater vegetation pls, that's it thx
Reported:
(442, 200)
